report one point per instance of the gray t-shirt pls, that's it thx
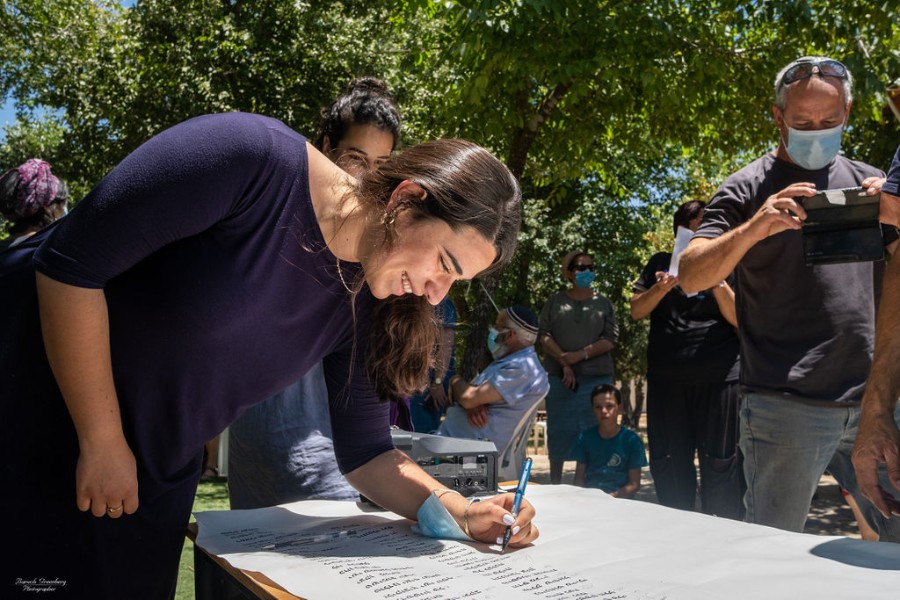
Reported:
(805, 330)
(573, 324)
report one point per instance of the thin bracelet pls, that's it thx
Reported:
(469, 503)
(441, 491)
(585, 353)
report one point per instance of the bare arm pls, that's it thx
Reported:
(580, 468)
(724, 296)
(598, 348)
(395, 482)
(74, 319)
(890, 209)
(706, 262)
(878, 440)
(643, 303)
(551, 348)
(631, 488)
(572, 357)
(469, 396)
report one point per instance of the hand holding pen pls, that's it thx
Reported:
(517, 503)
(488, 520)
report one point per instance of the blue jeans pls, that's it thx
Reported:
(787, 446)
(569, 412)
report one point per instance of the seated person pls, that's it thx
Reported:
(609, 456)
(499, 398)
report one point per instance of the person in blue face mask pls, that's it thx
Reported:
(506, 392)
(578, 333)
(806, 332)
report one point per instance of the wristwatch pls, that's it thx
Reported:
(438, 381)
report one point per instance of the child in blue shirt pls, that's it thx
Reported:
(609, 456)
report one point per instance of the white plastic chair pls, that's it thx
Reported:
(511, 459)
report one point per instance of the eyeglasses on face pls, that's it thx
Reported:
(582, 268)
(804, 68)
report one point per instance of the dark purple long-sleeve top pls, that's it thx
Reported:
(220, 288)
(221, 292)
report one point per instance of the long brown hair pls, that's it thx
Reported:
(466, 187)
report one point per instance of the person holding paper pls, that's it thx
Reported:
(207, 271)
(878, 443)
(806, 332)
(692, 383)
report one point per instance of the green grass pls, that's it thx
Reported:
(211, 495)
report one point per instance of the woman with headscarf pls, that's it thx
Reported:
(578, 334)
(31, 197)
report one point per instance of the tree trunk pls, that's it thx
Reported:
(483, 313)
(626, 410)
(482, 316)
(639, 398)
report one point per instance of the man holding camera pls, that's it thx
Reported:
(806, 331)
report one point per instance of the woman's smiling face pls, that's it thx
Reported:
(427, 256)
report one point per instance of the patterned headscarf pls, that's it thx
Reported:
(37, 188)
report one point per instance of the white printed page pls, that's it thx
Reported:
(591, 546)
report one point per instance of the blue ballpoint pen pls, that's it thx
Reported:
(520, 491)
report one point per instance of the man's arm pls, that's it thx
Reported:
(469, 396)
(878, 440)
(706, 262)
(889, 206)
(890, 209)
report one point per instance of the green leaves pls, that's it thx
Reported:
(610, 112)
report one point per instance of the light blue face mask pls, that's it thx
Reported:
(435, 522)
(584, 279)
(497, 349)
(814, 150)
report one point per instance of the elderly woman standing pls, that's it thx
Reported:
(578, 332)
(31, 197)
(207, 271)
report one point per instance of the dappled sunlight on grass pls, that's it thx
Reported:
(211, 495)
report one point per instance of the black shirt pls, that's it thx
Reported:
(805, 330)
(690, 340)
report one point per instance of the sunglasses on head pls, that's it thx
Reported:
(582, 268)
(804, 68)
